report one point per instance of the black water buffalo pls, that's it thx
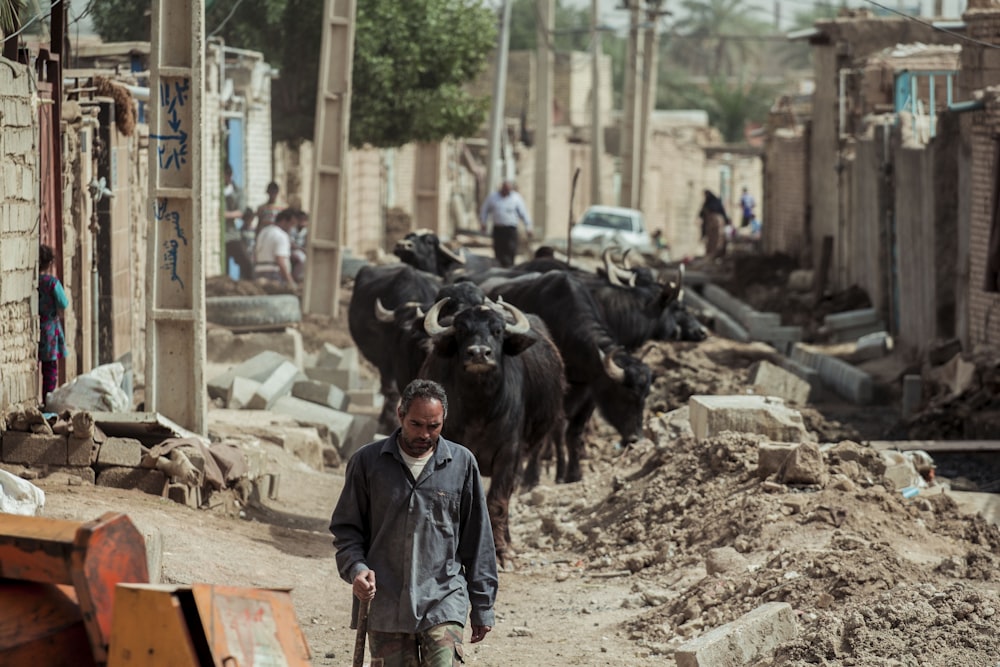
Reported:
(391, 286)
(599, 372)
(679, 324)
(423, 250)
(505, 386)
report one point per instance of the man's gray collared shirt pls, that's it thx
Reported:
(429, 540)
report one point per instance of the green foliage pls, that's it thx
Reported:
(711, 38)
(9, 10)
(731, 106)
(411, 60)
(797, 55)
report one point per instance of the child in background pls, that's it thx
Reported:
(51, 302)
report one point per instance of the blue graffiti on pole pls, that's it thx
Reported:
(173, 148)
(171, 245)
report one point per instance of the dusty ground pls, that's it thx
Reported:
(613, 570)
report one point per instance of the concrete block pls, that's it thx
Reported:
(80, 451)
(349, 266)
(34, 448)
(848, 381)
(274, 387)
(256, 458)
(185, 495)
(763, 415)
(850, 319)
(749, 638)
(344, 378)
(771, 456)
(872, 346)
(362, 431)
(124, 452)
(338, 423)
(369, 399)
(775, 381)
(240, 393)
(801, 280)
(146, 480)
(86, 474)
(805, 465)
(913, 394)
(329, 356)
(306, 443)
(321, 393)
(257, 368)
(153, 538)
(223, 345)
(349, 358)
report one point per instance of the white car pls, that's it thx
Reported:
(612, 226)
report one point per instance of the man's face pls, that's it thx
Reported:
(505, 189)
(421, 426)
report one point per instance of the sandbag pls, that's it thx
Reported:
(19, 496)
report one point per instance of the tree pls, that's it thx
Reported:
(730, 106)
(410, 60)
(710, 38)
(571, 33)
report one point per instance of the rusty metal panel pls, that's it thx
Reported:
(175, 271)
(333, 112)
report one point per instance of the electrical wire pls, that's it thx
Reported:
(226, 20)
(917, 19)
(24, 27)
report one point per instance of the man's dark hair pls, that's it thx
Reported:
(285, 215)
(426, 389)
(272, 187)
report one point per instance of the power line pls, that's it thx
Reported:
(917, 19)
(226, 20)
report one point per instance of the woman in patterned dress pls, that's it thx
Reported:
(51, 302)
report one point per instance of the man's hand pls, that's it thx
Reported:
(364, 585)
(479, 632)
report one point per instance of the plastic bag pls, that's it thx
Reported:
(19, 496)
(100, 390)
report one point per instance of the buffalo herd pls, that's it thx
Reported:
(525, 354)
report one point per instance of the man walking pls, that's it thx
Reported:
(505, 206)
(274, 249)
(413, 514)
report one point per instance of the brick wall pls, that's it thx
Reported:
(983, 307)
(787, 165)
(18, 237)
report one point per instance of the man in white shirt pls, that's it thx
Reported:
(506, 206)
(274, 249)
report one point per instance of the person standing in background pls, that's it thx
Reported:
(274, 249)
(52, 302)
(505, 206)
(747, 205)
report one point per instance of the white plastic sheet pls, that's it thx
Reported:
(19, 496)
(100, 390)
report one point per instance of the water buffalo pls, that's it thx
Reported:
(599, 372)
(423, 250)
(391, 286)
(505, 385)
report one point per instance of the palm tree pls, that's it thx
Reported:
(9, 11)
(708, 38)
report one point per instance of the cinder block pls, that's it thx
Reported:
(771, 456)
(338, 423)
(257, 368)
(278, 384)
(80, 451)
(146, 480)
(185, 495)
(344, 378)
(123, 452)
(369, 399)
(85, 473)
(241, 391)
(850, 319)
(776, 381)
(321, 393)
(749, 638)
(34, 448)
(329, 356)
(763, 415)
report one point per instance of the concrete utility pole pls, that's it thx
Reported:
(175, 272)
(329, 192)
(596, 124)
(493, 166)
(630, 125)
(649, 77)
(546, 10)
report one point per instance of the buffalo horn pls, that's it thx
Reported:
(520, 324)
(431, 325)
(383, 314)
(626, 262)
(455, 257)
(613, 370)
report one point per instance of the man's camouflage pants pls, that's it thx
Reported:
(439, 646)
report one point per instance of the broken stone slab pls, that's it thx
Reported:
(338, 423)
(278, 384)
(321, 393)
(913, 394)
(900, 470)
(363, 430)
(801, 280)
(846, 380)
(725, 559)
(241, 392)
(34, 448)
(369, 399)
(224, 345)
(259, 368)
(146, 480)
(329, 356)
(763, 415)
(149, 428)
(124, 452)
(776, 381)
(305, 443)
(749, 638)
(804, 465)
(344, 378)
(771, 456)
(184, 494)
(850, 319)
(872, 346)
